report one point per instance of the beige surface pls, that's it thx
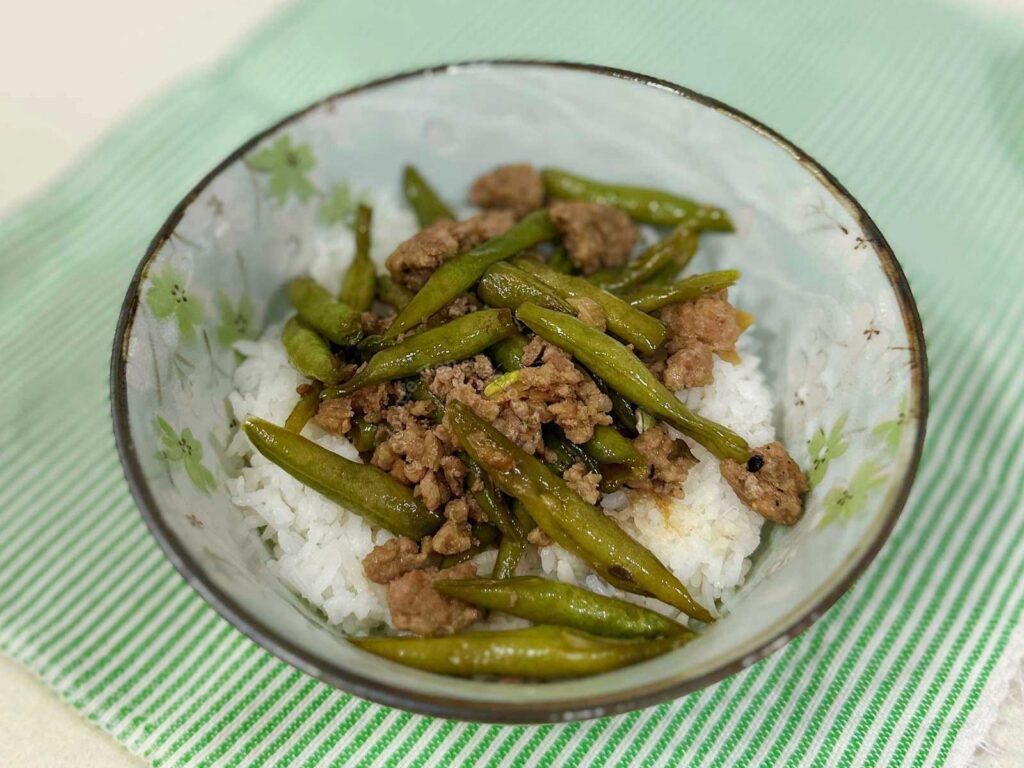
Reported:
(69, 71)
(38, 730)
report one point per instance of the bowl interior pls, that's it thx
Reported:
(836, 331)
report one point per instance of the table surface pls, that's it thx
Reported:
(51, 113)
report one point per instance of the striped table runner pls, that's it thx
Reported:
(917, 107)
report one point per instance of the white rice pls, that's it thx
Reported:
(706, 539)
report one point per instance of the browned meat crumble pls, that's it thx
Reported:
(697, 330)
(670, 461)
(517, 188)
(415, 260)
(583, 481)
(417, 607)
(395, 558)
(775, 490)
(596, 235)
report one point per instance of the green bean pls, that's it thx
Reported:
(565, 452)
(508, 353)
(541, 653)
(423, 199)
(578, 526)
(491, 503)
(364, 435)
(309, 352)
(510, 552)
(618, 367)
(545, 601)
(674, 252)
(305, 409)
(456, 340)
(631, 325)
(650, 205)
(391, 293)
(649, 299)
(458, 275)
(331, 319)
(608, 446)
(486, 537)
(506, 286)
(560, 261)
(360, 281)
(360, 488)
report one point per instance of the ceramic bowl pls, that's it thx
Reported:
(837, 330)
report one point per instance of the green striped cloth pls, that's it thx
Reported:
(917, 107)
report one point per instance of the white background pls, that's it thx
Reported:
(69, 70)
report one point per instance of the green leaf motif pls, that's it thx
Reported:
(186, 449)
(168, 297)
(235, 320)
(287, 167)
(844, 503)
(339, 207)
(824, 448)
(891, 432)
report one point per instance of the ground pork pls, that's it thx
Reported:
(538, 538)
(669, 459)
(583, 481)
(418, 452)
(572, 399)
(417, 607)
(457, 307)
(519, 420)
(770, 483)
(375, 324)
(412, 262)
(596, 235)
(455, 535)
(697, 330)
(517, 188)
(396, 557)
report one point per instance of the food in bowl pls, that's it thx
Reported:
(554, 453)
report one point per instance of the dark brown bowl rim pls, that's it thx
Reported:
(504, 712)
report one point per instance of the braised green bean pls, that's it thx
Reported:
(508, 353)
(648, 299)
(674, 252)
(564, 452)
(360, 488)
(333, 320)
(309, 352)
(578, 526)
(423, 199)
(363, 436)
(649, 205)
(491, 503)
(618, 367)
(506, 286)
(456, 340)
(391, 293)
(305, 409)
(545, 601)
(543, 652)
(360, 281)
(560, 261)
(458, 275)
(631, 325)
(608, 446)
(510, 552)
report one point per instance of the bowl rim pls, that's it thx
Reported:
(454, 707)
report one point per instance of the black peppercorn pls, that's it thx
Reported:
(754, 463)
